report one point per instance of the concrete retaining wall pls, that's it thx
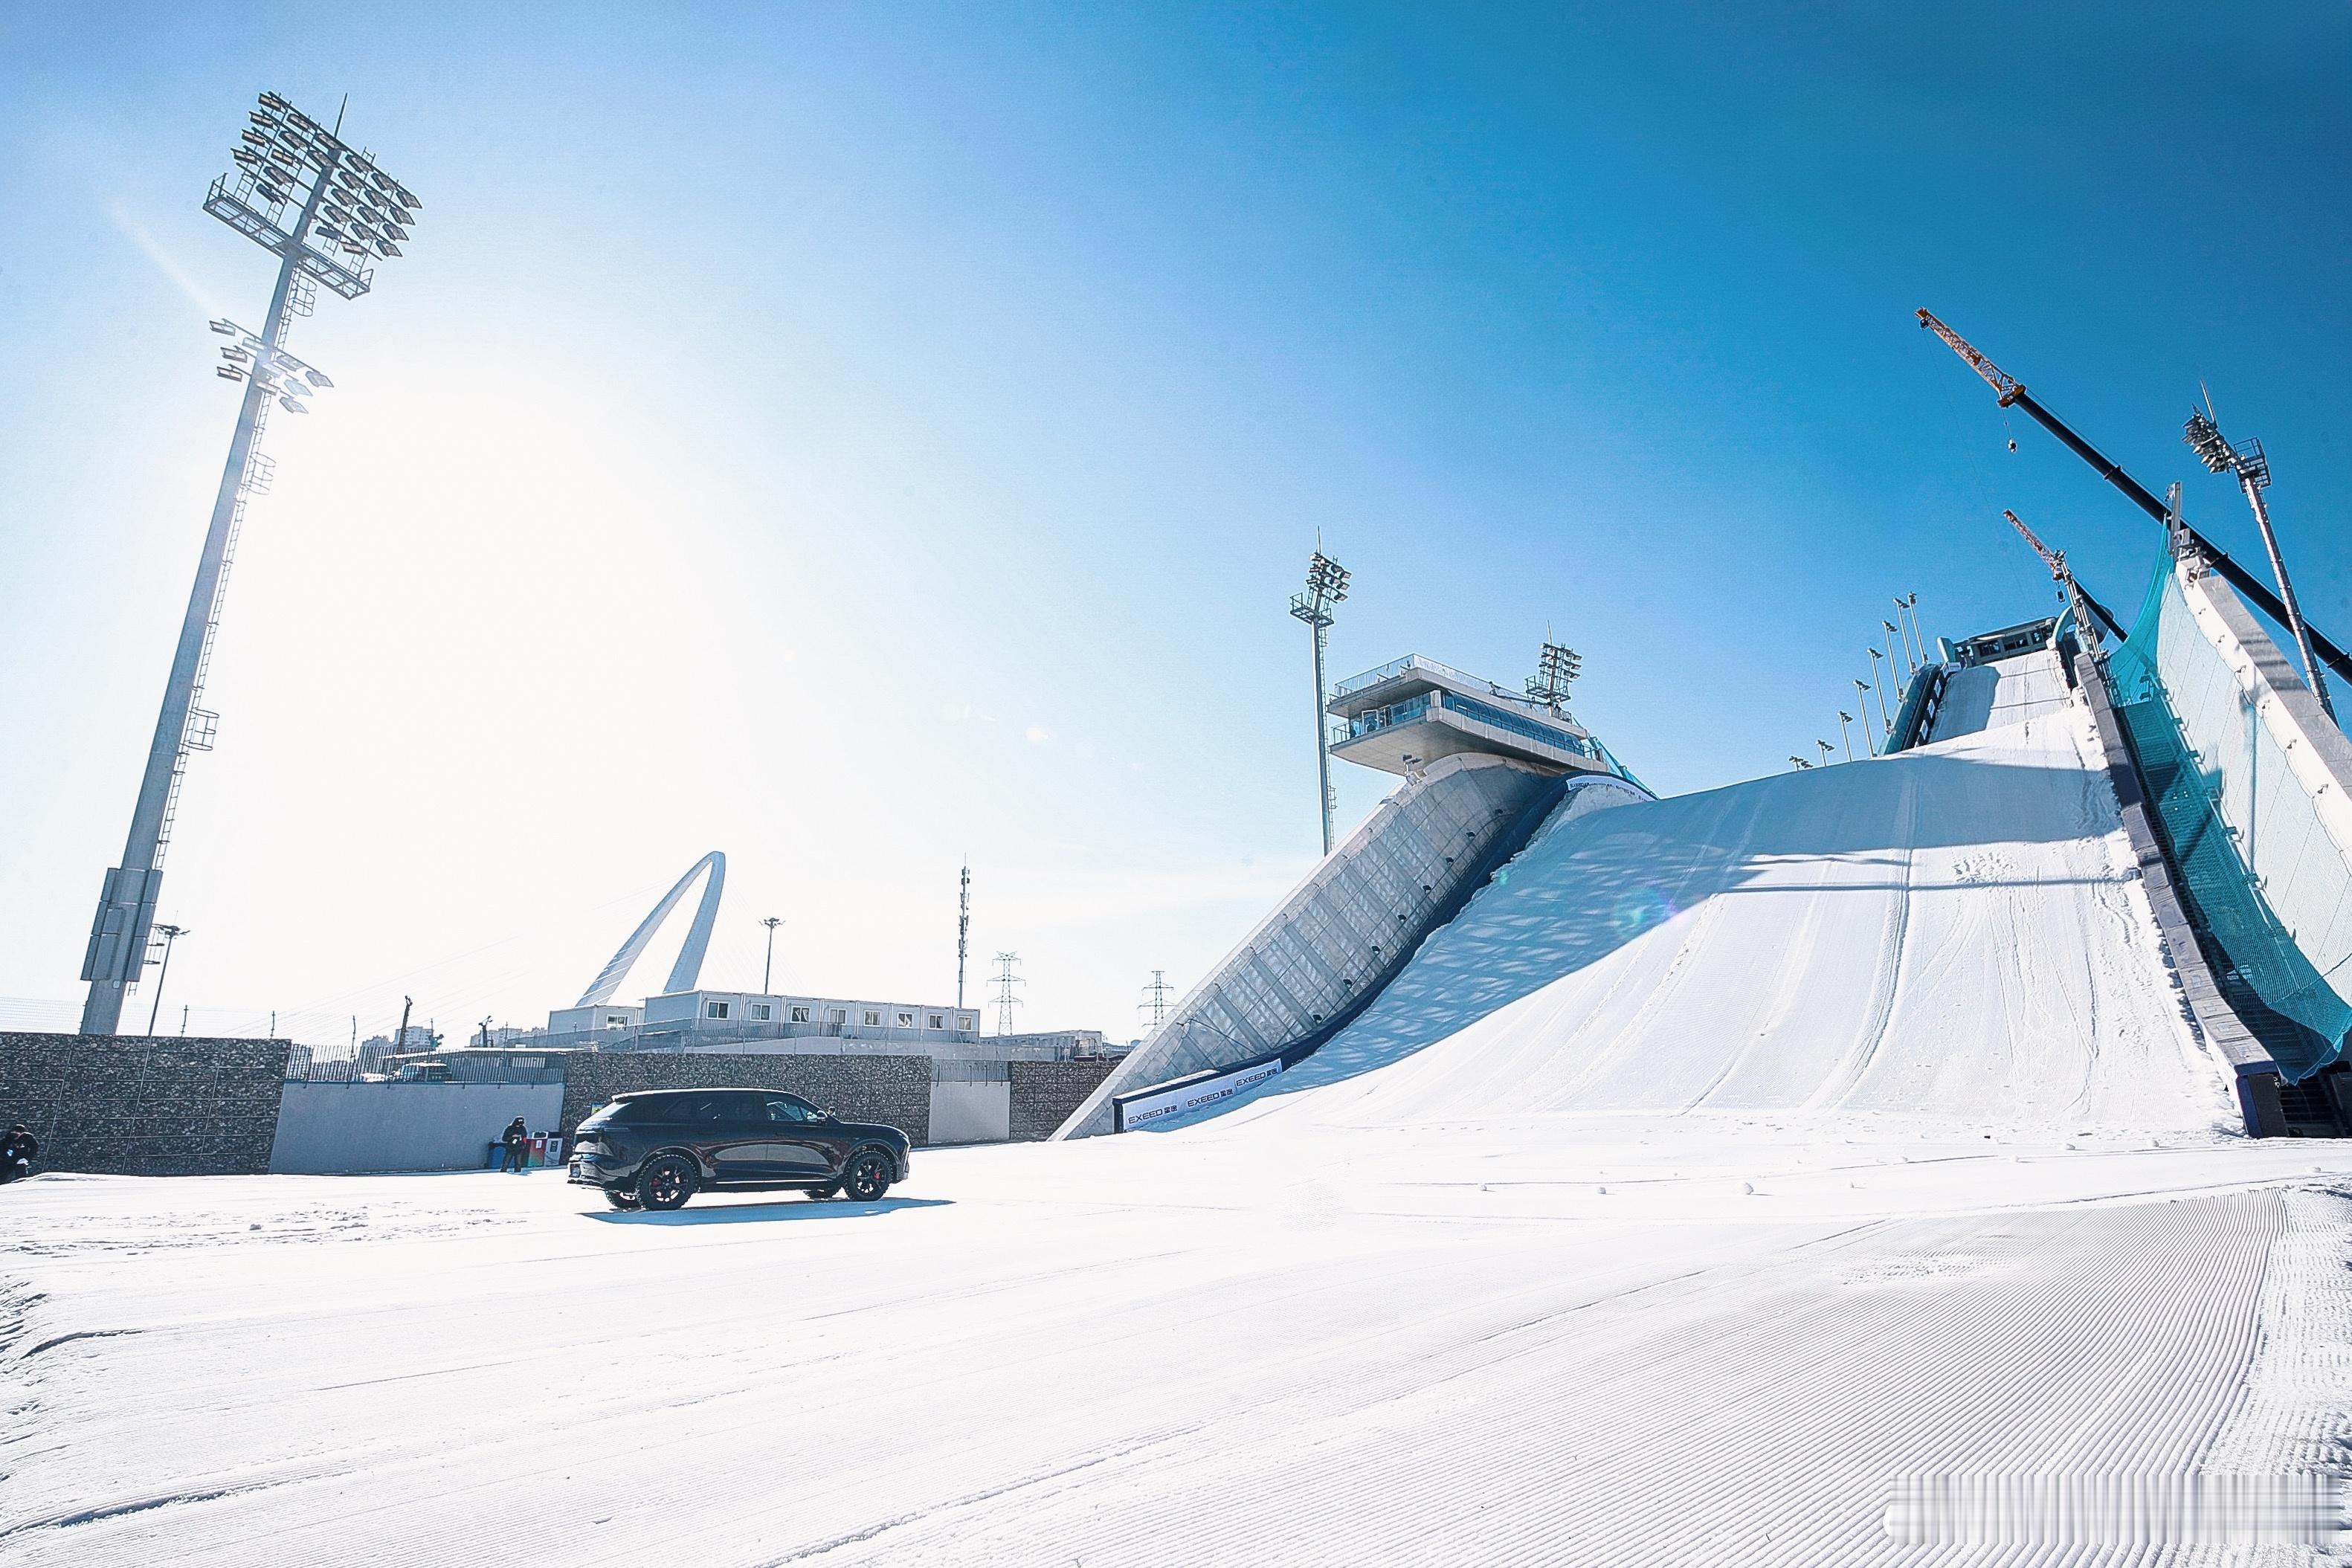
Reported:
(972, 1112)
(136, 1105)
(345, 1129)
(895, 1091)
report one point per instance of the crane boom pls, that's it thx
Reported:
(2064, 575)
(2012, 393)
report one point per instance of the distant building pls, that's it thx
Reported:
(587, 1020)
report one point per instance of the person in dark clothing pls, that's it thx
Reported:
(517, 1139)
(17, 1153)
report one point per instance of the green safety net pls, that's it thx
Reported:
(2237, 824)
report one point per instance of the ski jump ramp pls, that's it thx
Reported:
(1956, 933)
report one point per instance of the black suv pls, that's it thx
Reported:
(659, 1148)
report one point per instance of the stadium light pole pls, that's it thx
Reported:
(324, 210)
(1862, 700)
(2253, 470)
(1896, 640)
(768, 969)
(170, 933)
(1326, 585)
(1911, 603)
(1884, 719)
(1845, 719)
(1827, 749)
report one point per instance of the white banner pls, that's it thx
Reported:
(1151, 1107)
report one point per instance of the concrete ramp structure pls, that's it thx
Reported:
(1328, 948)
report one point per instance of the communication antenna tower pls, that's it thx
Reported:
(324, 210)
(1155, 998)
(963, 927)
(1555, 670)
(1007, 980)
(1326, 585)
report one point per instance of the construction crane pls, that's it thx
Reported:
(2078, 597)
(2012, 393)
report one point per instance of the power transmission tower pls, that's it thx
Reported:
(963, 927)
(1155, 998)
(1006, 980)
(323, 208)
(1326, 585)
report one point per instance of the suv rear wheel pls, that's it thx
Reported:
(868, 1176)
(667, 1182)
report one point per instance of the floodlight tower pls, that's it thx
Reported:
(324, 210)
(1557, 668)
(1326, 585)
(2254, 471)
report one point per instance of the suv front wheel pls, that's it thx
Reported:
(868, 1176)
(665, 1183)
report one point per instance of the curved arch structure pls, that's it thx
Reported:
(689, 967)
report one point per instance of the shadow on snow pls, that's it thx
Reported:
(768, 1213)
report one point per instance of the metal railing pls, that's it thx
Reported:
(1405, 665)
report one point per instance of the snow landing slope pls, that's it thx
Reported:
(1954, 933)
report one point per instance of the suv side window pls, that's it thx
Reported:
(706, 1108)
(786, 1108)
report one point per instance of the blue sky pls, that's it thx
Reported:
(860, 437)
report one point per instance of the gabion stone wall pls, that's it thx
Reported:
(135, 1105)
(1044, 1094)
(893, 1089)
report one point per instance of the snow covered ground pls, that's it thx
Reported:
(1745, 1174)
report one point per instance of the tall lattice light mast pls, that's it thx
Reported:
(2246, 460)
(324, 209)
(1326, 585)
(1555, 670)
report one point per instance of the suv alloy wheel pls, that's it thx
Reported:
(868, 1176)
(665, 1183)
